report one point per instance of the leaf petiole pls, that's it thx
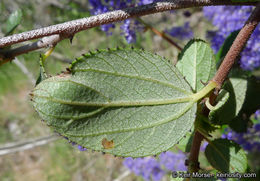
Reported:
(203, 92)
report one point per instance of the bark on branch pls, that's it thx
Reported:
(70, 28)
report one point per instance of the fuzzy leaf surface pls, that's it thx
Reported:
(197, 63)
(226, 156)
(133, 98)
(216, 115)
(250, 103)
(230, 101)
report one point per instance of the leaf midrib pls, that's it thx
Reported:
(165, 121)
(120, 103)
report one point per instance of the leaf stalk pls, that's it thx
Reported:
(205, 91)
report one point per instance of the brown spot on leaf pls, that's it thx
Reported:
(107, 144)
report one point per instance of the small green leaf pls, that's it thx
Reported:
(226, 156)
(197, 63)
(42, 75)
(225, 46)
(203, 125)
(239, 87)
(250, 103)
(217, 114)
(133, 98)
(13, 21)
(252, 98)
(230, 101)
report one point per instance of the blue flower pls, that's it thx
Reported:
(173, 161)
(148, 168)
(152, 169)
(203, 146)
(130, 26)
(181, 32)
(249, 140)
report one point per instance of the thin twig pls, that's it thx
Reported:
(68, 29)
(123, 175)
(221, 75)
(161, 34)
(25, 145)
(193, 162)
(44, 42)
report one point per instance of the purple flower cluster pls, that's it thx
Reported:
(173, 161)
(145, 167)
(130, 26)
(250, 140)
(228, 19)
(152, 169)
(181, 32)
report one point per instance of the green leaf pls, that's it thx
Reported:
(42, 75)
(250, 104)
(226, 156)
(197, 63)
(252, 98)
(223, 112)
(229, 101)
(131, 98)
(203, 125)
(226, 46)
(185, 144)
(239, 87)
(13, 21)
